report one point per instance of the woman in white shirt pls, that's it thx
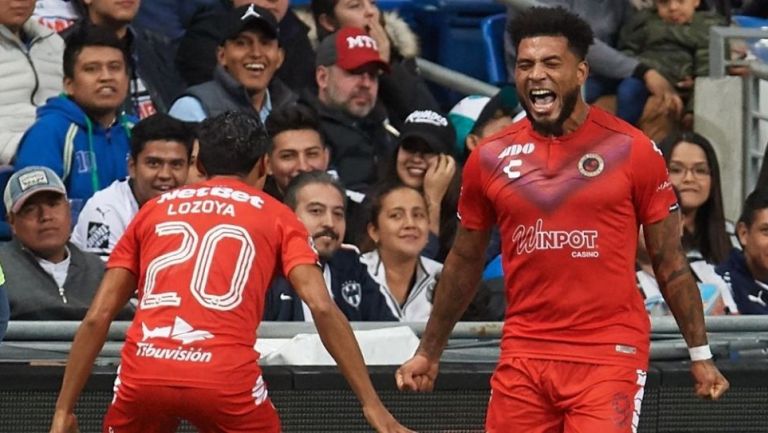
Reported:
(399, 226)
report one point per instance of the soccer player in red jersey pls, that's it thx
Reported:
(202, 257)
(568, 188)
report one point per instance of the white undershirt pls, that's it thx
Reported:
(57, 270)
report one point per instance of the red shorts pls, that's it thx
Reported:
(160, 409)
(547, 396)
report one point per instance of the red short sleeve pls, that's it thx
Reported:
(652, 191)
(475, 211)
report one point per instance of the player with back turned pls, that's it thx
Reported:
(202, 257)
(568, 188)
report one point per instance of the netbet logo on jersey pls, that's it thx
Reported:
(583, 243)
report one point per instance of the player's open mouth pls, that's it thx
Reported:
(542, 100)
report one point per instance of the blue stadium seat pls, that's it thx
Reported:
(492, 29)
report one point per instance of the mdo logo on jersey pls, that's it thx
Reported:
(582, 243)
(180, 331)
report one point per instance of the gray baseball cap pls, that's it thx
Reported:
(28, 181)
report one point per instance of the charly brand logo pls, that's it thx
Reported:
(591, 164)
(528, 239)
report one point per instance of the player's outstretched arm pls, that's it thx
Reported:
(114, 292)
(679, 289)
(455, 290)
(338, 338)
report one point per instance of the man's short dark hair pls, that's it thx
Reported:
(231, 143)
(90, 36)
(291, 118)
(558, 21)
(161, 126)
(755, 202)
(308, 178)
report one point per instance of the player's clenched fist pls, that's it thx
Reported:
(710, 383)
(417, 374)
(64, 423)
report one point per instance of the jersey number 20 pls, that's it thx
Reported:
(203, 258)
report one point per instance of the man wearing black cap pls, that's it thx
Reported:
(353, 125)
(248, 57)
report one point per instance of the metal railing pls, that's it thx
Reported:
(729, 336)
(719, 60)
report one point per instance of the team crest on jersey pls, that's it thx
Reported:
(352, 293)
(591, 164)
(98, 235)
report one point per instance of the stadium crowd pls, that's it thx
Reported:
(100, 103)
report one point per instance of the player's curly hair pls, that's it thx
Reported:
(231, 143)
(544, 21)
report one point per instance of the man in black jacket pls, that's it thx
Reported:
(354, 126)
(196, 56)
(319, 202)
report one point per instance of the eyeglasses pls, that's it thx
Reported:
(698, 171)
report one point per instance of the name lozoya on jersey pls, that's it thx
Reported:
(528, 239)
(182, 331)
(208, 206)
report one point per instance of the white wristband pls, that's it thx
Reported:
(700, 353)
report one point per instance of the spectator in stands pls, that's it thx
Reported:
(296, 147)
(171, 17)
(5, 311)
(746, 272)
(30, 58)
(153, 77)
(398, 225)
(354, 127)
(248, 55)
(609, 67)
(80, 135)
(194, 175)
(401, 90)
(477, 117)
(319, 202)
(161, 148)
(716, 297)
(672, 38)
(196, 57)
(47, 278)
(423, 161)
(57, 15)
(695, 172)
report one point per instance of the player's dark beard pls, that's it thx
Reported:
(553, 128)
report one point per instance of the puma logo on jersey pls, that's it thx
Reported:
(181, 331)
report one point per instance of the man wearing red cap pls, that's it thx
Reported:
(354, 126)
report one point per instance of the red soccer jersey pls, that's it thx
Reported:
(204, 256)
(569, 209)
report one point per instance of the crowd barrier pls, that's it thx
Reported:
(316, 399)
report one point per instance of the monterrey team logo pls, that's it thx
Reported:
(591, 164)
